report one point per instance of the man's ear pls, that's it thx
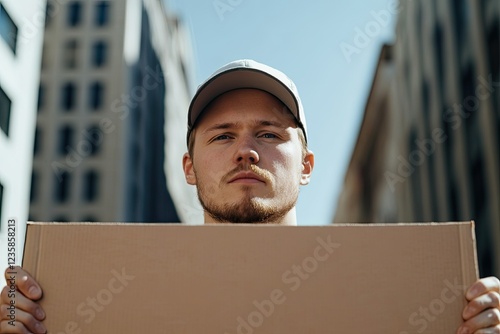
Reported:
(307, 168)
(187, 165)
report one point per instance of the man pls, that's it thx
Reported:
(258, 114)
(247, 156)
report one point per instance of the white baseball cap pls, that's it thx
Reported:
(247, 73)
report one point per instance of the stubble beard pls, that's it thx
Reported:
(250, 210)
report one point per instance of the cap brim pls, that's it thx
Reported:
(237, 79)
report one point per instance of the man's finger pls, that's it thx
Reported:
(491, 330)
(486, 319)
(6, 328)
(20, 317)
(483, 286)
(24, 282)
(21, 302)
(481, 303)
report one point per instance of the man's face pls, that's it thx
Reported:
(248, 160)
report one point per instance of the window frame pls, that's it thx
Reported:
(5, 113)
(74, 14)
(11, 32)
(102, 13)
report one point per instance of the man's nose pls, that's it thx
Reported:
(247, 152)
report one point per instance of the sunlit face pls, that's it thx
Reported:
(247, 161)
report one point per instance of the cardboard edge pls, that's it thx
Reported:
(465, 230)
(474, 248)
(466, 238)
(260, 225)
(32, 245)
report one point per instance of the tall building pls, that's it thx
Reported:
(365, 196)
(21, 34)
(115, 79)
(429, 144)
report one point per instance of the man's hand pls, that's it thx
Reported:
(18, 310)
(482, 313)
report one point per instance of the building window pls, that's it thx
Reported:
(433, 186)
(478, 185)
(449, 164)
(494, 49)
(470, 104)
(102, 13)
(41, 96)
(74, 13)
(90, 186)
(34, 188)
(494, 55)
(68, 96)
(426, 102)
(184, 76)
(420, 16)
(453, 202)
(66, 135)
(96, 95)
(438, 47)
(44, 56)
(99, 53)
(468, 82)
(71, 54)
(448, 129)
(407, 81)
(95, 137)
(8, 29)
(416, 180)
(61, 187)
(461, 13)
(5, 105)
(49, 12)
(1, 201)
(36, 144)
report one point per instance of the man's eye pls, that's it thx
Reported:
(221, 137)
(269, 135)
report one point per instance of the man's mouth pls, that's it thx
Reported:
(246, 178)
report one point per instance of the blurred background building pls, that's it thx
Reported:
(21, 33)
(429, 144)
(114, 89)
(115, 85)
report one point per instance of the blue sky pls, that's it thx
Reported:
(328, 48)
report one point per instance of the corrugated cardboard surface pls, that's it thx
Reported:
(136, 278)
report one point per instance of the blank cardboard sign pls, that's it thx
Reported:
(228, 279)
